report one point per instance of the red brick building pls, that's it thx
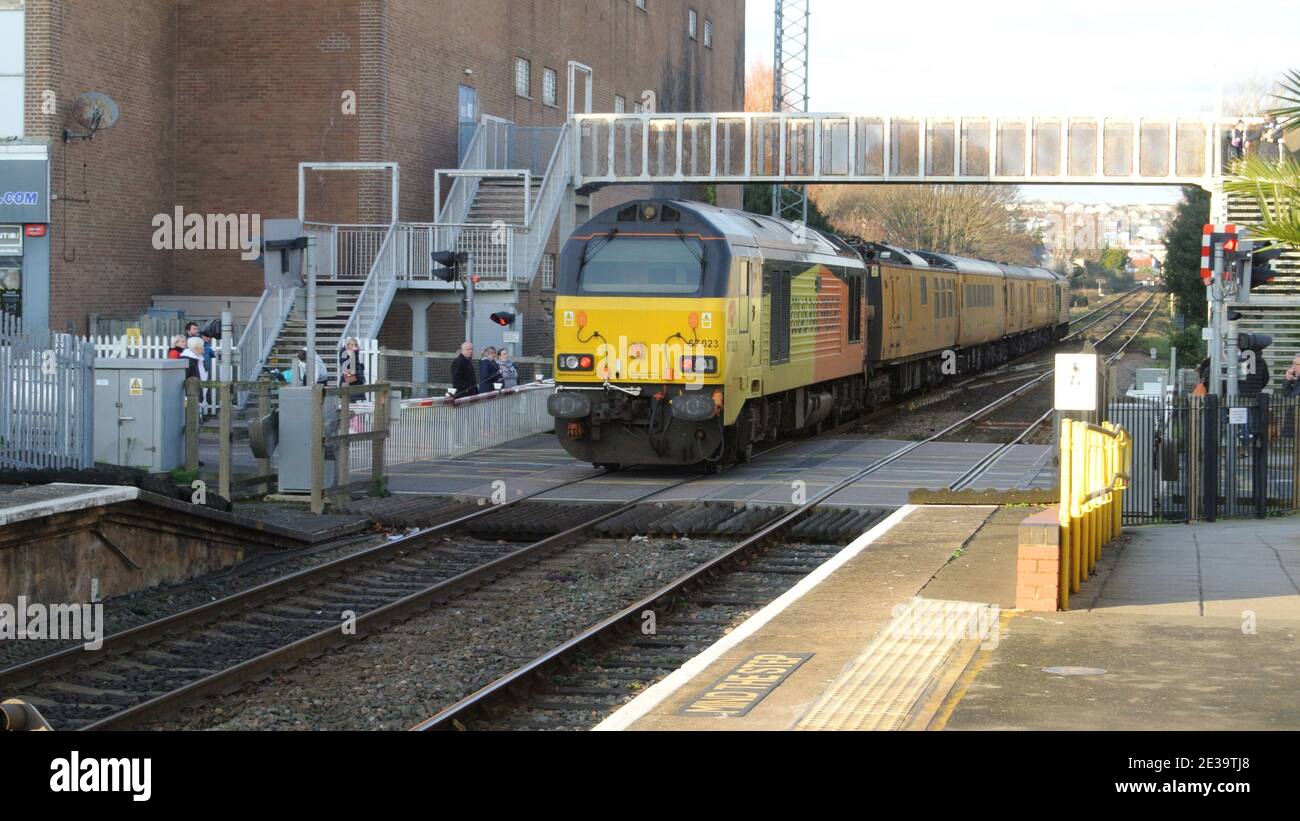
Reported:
(220, 101)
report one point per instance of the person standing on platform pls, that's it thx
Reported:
(488, 372)
(193, 356)
(322, 375)
(464, 381)
(352, 370)
(509, 373)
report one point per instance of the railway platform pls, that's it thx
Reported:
(913, 627)
(70, 541)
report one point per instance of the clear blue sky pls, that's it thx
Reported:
(1003, 57)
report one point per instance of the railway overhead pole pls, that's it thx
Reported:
(790, 94)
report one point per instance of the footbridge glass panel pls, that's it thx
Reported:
(799, 147)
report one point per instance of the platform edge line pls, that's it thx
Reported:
(640, 706)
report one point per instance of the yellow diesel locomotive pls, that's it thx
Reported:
(686, 333)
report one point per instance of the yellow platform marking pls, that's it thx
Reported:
(881, 687)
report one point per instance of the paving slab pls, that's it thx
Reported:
(1182, 627)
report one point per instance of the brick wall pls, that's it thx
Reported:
(1038, 562)
(221, 101)
(106, 190)
(259, 89)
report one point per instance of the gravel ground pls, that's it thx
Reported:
(124, 612)
(394, 679)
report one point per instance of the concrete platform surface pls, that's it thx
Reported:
(21, 503)
(818, 638)
(1183, 627)
(910, 627)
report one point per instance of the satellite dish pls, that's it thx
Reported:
(93, 111)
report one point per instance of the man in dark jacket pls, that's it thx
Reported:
(464, 376)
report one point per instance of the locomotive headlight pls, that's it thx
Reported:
(575, 362)
(699, 364)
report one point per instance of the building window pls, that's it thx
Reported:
(548, 272)
(640, 4)
(693, 24)
(636, 108)
(12, 85)
(708, 33)
(620, 105)
(523, 74)
(548, 86)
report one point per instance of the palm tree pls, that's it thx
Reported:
(1275, 185)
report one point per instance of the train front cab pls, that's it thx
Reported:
(641, 347)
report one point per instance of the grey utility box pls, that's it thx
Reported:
(140, 413)
(293, 463)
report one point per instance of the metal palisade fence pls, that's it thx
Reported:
(1199, 458)
(444, 428)
(46, 398)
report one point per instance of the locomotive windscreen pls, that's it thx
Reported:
(668, 265)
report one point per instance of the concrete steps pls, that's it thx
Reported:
(329, 326)
(500, 198)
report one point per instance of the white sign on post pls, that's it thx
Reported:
(1076, 381)
(1237, 416)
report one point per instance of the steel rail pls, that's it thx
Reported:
(452, 716)
(1109, 303)
(990, 459)
(74, 657)
(314, 644)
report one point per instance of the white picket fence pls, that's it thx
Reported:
(158, 347)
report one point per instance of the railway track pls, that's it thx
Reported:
(604, 652)
(1028, 423)
(154, 669)
(578, 683)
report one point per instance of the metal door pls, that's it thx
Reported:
(136, 418)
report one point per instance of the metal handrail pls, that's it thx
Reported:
(376, 293)
(545, 208)
(263, 329)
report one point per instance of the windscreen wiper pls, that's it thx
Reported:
(587, 249)
(698, 254)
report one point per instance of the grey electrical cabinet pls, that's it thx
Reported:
(293, 464)
(140, 413)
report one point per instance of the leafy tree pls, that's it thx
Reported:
(1114, 259)
(1183, 255)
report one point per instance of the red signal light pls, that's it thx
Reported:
(1230, 245)
(584, 362)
